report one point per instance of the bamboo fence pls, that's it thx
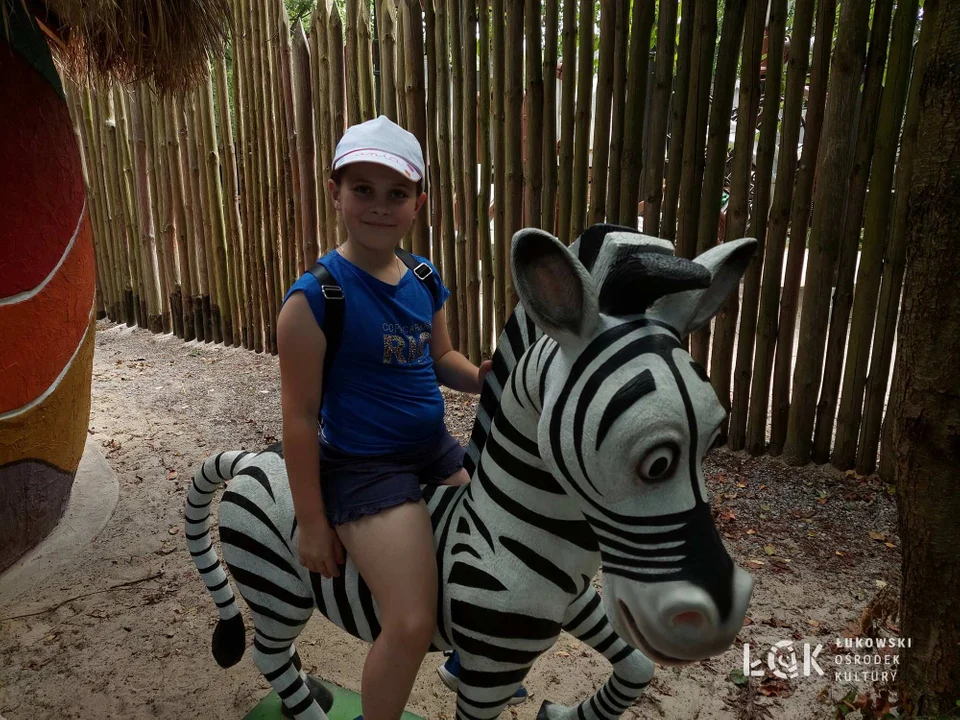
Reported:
(559, 115)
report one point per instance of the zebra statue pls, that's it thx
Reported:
(586, 453)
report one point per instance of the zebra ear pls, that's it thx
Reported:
(692, 309)
(554, 287)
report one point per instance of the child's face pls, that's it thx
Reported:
(378, 204)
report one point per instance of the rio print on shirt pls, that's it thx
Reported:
(406, 344)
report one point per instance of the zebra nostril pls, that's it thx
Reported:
(689, 618)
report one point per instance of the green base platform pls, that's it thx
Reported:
(346, 706)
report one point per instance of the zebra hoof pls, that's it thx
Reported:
(318, 692)
(544, 712)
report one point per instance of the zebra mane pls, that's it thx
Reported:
(631, 269)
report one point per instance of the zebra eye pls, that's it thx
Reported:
(658, 463)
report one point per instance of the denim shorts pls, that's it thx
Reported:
(358, 485)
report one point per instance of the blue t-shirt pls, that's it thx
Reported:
(382, 395)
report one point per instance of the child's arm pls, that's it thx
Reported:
(452, 368)
(301, 347)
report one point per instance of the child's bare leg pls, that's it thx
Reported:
(394, 552)
(460, 477)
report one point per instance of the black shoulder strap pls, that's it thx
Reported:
(423, 271)
(332, 317)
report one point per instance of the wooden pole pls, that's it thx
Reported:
(131, 205)
(568, 104)
(875, 224)
(698, 104)
(447, 234)
(459, 185)
(402, 119)
(888, 307)
(799, 218)
(388, 47)
(638, 75)
(501, 242)
(757, 227)
(754, 20)
(199, 234)
(548, 214)
(262, 341)
(779, 219)
(323, 126)
(849, 237)
(181, 217)
(242, 76)
(291, 148)
(226, 244)
(678, 120)
(274, 238)
(231, 195)
(145, 214)
(659, 116)
(581, 150)
(533, 127)
(152, 167)
(416, 105)
(286, 216)
(513, 128)
(597, 208)
(368, 102)
(475, 215)
(486, 161)
(352, 62)
(303, 104)
(433, 152)
(164, 215)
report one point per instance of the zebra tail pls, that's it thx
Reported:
(229, 637)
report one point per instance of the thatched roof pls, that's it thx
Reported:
(168, 42)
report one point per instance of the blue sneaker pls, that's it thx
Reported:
(450, 674)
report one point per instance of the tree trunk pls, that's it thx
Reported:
(368, 102)
(604, 103)
(849, 237)
(738, 207)
(145, 212)
(758, 227)
(828, 211)
(875, 225)
(779, 218)
(617, 132)
(469, 154)
(179, 193)
(307, 159)
(352, 61)
(513, 130)
(799, 219)
(925, 401)
(501, 246)
(568, 99)
(548, 212)
(338, 96)
(241, 78)
(718, 139)
(659, 117)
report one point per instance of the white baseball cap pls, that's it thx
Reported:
(384, 142)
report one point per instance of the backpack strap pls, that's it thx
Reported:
(422, 270)
(332, 318)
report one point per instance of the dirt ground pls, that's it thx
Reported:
(821, 546)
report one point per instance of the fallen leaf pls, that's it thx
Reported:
(822, 501)
(765, 508)
(880, 583)
(751, 532)
(747, 621)
(173, 530)
(756, 564)
(741, 485)
(738, 678)
(890, 545)
(172, 475)
(763, 487)
(769, 549)
(813, 623)
(561, 653)
(874, 535)
(839, 553)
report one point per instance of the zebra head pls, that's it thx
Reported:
(627, 417)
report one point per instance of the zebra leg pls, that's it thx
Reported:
(632, 670)
(278, 661)
(484, 688)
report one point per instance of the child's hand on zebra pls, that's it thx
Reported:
(320, 549)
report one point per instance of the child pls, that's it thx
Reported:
(383, 431)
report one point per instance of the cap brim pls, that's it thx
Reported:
(379, 157)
